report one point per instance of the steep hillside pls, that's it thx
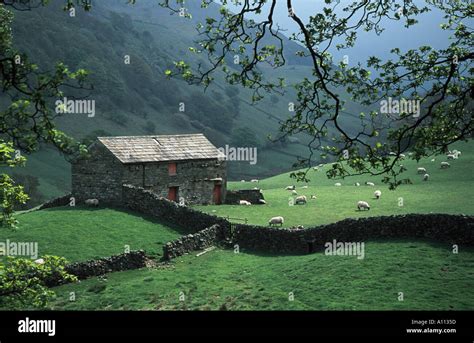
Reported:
(136, 98)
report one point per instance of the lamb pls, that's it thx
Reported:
(337, 184)
(313, 196)
(254, 180)
(244, 202)
(370, 183)
(276, 220)
(377, 194)
(363, 204)
(293, 192)
(421, 170)
(445, 165)
(357, 184)
(300, 200)
(426, 177)
(290, 188)
(92, 202)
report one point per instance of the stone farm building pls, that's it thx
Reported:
(179, 167)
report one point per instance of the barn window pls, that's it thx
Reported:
(172, 169)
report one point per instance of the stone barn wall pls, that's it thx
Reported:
(98, 177)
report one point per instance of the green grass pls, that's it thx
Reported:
(81, 233)
(429, 275)
(447, 191)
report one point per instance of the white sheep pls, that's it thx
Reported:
(290, 188)
(39, 261)
(357, 184)
(377, 194)
(433, 159)
(426, 177)
(370, 184)
(444, 165)
(244, 202)
(242, 180)
(363, 204)
(304, 187)
(315, 168)
(300, 200)
(337, 184)
(254, 180)
(421, 170)
(293, 192)
(313, 196)
(276, 220)
(452, 157)
(92, 202)
(402, 156)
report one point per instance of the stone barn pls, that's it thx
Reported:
(179, 167)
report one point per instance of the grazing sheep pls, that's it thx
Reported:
(256, 188)
(433, 159)
(293, 192)
(242, 180)
(357, 184)
(315, 168)
(254, 180)
(370, 183)
(300, 200)
(338, 184)
(391, 153)
(426, 177)
(304, 187)
(421, 170)
(402, 155)
(276, 220)
(363, 204)
(290, 188)
(92, 202)
(261, 201)
(313, 196)
(377, 194)
(320, 165)
(452, 157)
(445, 165)
(244, 202)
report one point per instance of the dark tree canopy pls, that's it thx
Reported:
(438, 80)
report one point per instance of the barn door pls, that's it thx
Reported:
(173, 193)
(217, 194)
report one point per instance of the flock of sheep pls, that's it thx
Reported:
(361, 204)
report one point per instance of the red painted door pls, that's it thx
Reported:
(217, 194)
(173, 193)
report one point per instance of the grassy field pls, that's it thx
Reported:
(82, 233)
(447, 191)
(429, 275)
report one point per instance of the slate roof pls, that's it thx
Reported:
(138, 149)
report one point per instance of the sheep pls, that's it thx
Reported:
(242, 180)
(433, 159)
(452, 157)
(357, 184)
(363, 204)
(300, 200)
(315, 168)
(426, 177)
(370, 184)
(254, 180)
(293, 192)
(304, 187)
(313, 196)
(290, 188)
(337, 184)
(39, 261)
(444, 165)
(244, 202)
(92, 202)
(402, 156)
(421, 170)
(276, 220)
(377, 194)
